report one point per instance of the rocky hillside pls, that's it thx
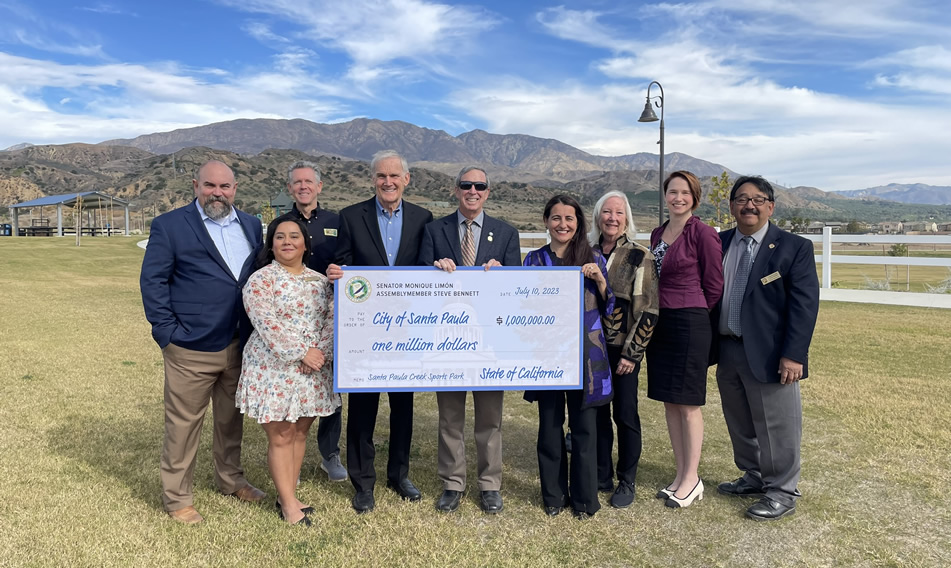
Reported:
(513, 156)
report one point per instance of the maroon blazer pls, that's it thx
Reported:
(692, 272)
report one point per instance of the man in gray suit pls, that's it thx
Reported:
(766, 318)
(469, 237)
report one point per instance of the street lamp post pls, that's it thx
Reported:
(649, 116)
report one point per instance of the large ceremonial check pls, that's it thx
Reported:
(422, 329)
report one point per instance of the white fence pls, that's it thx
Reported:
(827, 260)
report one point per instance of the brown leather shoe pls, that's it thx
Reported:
(187, 516)
(250, 494)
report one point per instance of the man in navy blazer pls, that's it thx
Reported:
(196, 262)
(766, 319)
(384, 230)
(469, 237)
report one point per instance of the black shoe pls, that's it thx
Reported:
(581, 515)
(363, 502)
(405, 489)
(491, 502)
(303, 521)
(740, 487)
(623, 496)
(553, 511)
(305, 510)
(448, 501)
(606, 486)
(767, 509)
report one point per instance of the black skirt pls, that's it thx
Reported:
(677, 356)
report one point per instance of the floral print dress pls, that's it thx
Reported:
(291, 313)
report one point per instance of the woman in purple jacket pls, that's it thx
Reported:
(574, 484)
(688, 256)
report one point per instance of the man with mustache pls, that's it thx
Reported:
(197, 261)
(766, 318)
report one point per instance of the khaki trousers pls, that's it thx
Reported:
(488, 439)
(191, 379)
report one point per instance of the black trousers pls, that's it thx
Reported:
(563, 483)
(328, 434)
(628, 423)
(361, 421)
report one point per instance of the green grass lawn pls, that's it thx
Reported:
(81, 427)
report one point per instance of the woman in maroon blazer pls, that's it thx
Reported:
(688, 256)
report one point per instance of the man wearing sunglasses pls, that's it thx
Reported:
(469, 237)
(766, 318)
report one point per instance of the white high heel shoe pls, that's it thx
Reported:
(695, 494)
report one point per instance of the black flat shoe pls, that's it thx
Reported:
(448, 501)
(405, 489)
(553, 511)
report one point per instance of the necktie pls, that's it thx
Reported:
(468, 246)
(739, 286)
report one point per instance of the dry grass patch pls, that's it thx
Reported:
(81, 427)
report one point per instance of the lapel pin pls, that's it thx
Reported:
(490, 237)
(772, 245)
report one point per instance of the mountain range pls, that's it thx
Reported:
(905, 193)
(513, 157)
(153, 170)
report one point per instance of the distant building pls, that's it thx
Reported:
(891, 228)
(816, 227)
(919, 227)
(281, 204)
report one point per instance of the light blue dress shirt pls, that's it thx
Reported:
(229, 239)
(391, 229)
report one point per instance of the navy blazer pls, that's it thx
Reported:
(190, 296)
(499, 240)
(781, 302)
(359, 242)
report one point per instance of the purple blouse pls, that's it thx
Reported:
(692, 275)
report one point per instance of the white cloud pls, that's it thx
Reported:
(374, 32)
(122, 100)
(725, 105)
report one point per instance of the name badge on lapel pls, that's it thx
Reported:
(330, 232)
(769, 278)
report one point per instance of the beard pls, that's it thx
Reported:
(216, 207)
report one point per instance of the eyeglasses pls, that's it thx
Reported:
(758, 200)
(478, 185)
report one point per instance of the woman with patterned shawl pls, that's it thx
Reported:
(574, 484)
(633, 279)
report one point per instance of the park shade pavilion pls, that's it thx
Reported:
(88, 200)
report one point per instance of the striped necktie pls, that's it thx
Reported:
(739, 286)
(468, 245)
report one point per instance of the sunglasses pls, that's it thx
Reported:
(478, 185)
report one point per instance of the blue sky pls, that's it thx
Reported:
(836, 95)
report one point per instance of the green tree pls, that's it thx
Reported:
(898, 249)
(855, 228)
(719, 197)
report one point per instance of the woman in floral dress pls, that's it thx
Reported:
(286, 374)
